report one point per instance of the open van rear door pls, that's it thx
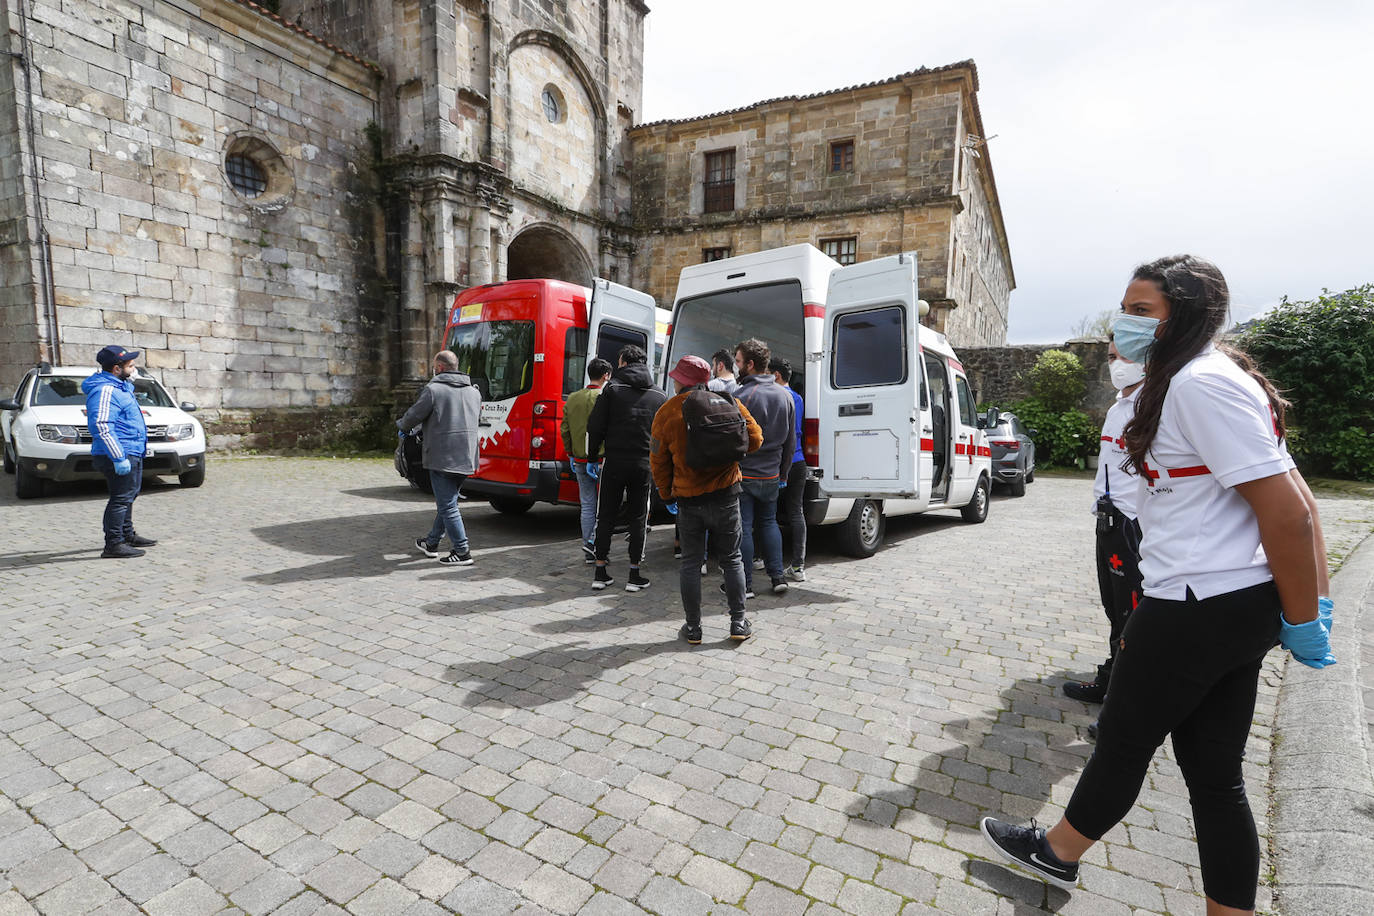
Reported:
(618, 316)
(869, 412)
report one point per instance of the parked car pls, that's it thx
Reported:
(1013, 453)
(45, 437)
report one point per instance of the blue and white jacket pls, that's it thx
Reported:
(114, 418)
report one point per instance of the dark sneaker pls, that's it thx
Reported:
(636, 582)
(677, 551)
(1086, 692)
(139, 540)
(740, 629)
(796, 572)
(457, 559)
(601, 578)
(588, 554)
(691, 634)
(423, 546)
(1028, 848)
(748, 592)
(780, 586)
(1092, 732)
(121, 551)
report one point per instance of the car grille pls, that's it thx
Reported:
(155, 434)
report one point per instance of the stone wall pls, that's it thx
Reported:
(241, 302)
(19, 347)
(907, 191)
(998, 374)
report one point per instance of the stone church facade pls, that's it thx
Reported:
(279, 206)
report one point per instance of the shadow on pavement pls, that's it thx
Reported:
(552, 675)
(1042, 734)
(401, 492)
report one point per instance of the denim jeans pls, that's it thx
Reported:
(758, 513)
(118, 520)
(796, 515)
(448, 520)
(720, 518)
(586, 493)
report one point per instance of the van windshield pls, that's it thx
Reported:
(497, 355)
(771, 312)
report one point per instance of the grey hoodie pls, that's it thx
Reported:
(449, 407)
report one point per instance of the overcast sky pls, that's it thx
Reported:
(1240, 131)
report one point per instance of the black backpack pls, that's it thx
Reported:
(716, 431)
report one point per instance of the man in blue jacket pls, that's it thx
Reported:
(119, 440)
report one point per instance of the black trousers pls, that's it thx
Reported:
(118, 520)
(1118, 580)
(624, 482)
(1186, 669)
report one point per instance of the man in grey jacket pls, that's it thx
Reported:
(764, 471)
(449, 408)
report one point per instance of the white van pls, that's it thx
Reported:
(890, 427)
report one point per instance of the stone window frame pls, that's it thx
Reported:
(716, 253)
(839, 243)
(718, 192)
(280, 185)
(549, 96)
(842, 145)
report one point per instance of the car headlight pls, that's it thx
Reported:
(182, 431)
(67, 435)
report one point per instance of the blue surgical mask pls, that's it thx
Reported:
(1133, 336)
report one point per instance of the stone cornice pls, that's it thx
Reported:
(885, 204)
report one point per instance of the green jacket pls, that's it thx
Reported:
(574, 429)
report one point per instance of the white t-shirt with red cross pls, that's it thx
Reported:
(1216, 430)
(1123, 485)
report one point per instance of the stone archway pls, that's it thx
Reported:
(542, 252)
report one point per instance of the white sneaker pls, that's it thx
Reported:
(796, 573)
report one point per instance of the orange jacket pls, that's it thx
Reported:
(668, 455)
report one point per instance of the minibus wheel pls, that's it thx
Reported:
(510, 506)
(977, 509)
(862, 532)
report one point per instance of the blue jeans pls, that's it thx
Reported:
(586, 492)
(448, 520)
(720, 518)
(758, 513)
(118, 520)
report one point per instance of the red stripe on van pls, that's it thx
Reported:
(812, 310)
(956, 365)
(927, 445)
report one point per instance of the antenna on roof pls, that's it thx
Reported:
(973, 141)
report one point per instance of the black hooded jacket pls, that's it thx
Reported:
(624, 414)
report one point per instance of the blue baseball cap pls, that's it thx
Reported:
(114, 355)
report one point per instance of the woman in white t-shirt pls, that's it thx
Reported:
(1232, 560)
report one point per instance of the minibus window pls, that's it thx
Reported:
(574, 359)
(772, 312)
(497, 355)
(611, 339)
(966, 415)
(870, 349)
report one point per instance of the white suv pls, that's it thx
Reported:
(44, 434)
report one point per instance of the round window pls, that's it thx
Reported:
(257, 172)
(552, 101)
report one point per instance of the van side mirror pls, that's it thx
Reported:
(9, 404)
(187, 406)
(991, 419)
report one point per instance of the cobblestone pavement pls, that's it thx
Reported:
(283, 708)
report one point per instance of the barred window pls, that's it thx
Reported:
(845, 250)
(247, 177)
(842, 156)
(714, 254)
(720, 182)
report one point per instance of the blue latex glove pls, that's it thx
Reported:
(400, 434)
(1309, 642)
(782, 484)
(594, 470)
(122, 467)
(671, 507)
(1325, 607)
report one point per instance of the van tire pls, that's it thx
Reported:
(1030, 475)
(976, 511)
(1018, 487)
(507, 505)
(9, 459)
(861, 534)
(26, 485)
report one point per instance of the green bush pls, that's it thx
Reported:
(1063, 438)
(1320, 354)
(1056, 380)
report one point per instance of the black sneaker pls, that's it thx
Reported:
(423, 546)
(1092, 732)
(1028, 848)
(780, 586)
(636, 582)
(691, 634)
(740, 629)
(139, 540)
(457, 559)
(677, 551)
(1086, 692)
(601, 578)
(588, 554)
(748, 592)
(121, 551)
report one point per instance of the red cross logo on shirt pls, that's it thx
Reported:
(1115, 561)
(1151, 475)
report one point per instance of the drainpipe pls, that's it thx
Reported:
(48, 329)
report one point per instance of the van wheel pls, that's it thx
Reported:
(862, 532)
(9, 459)
(1018, 487)
(26, 485)
(193, 478)
(509, 506)
(977, 509)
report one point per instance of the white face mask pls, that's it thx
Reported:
(1126, 374)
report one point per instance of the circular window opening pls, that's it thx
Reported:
(257, 172)
(552, 101)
